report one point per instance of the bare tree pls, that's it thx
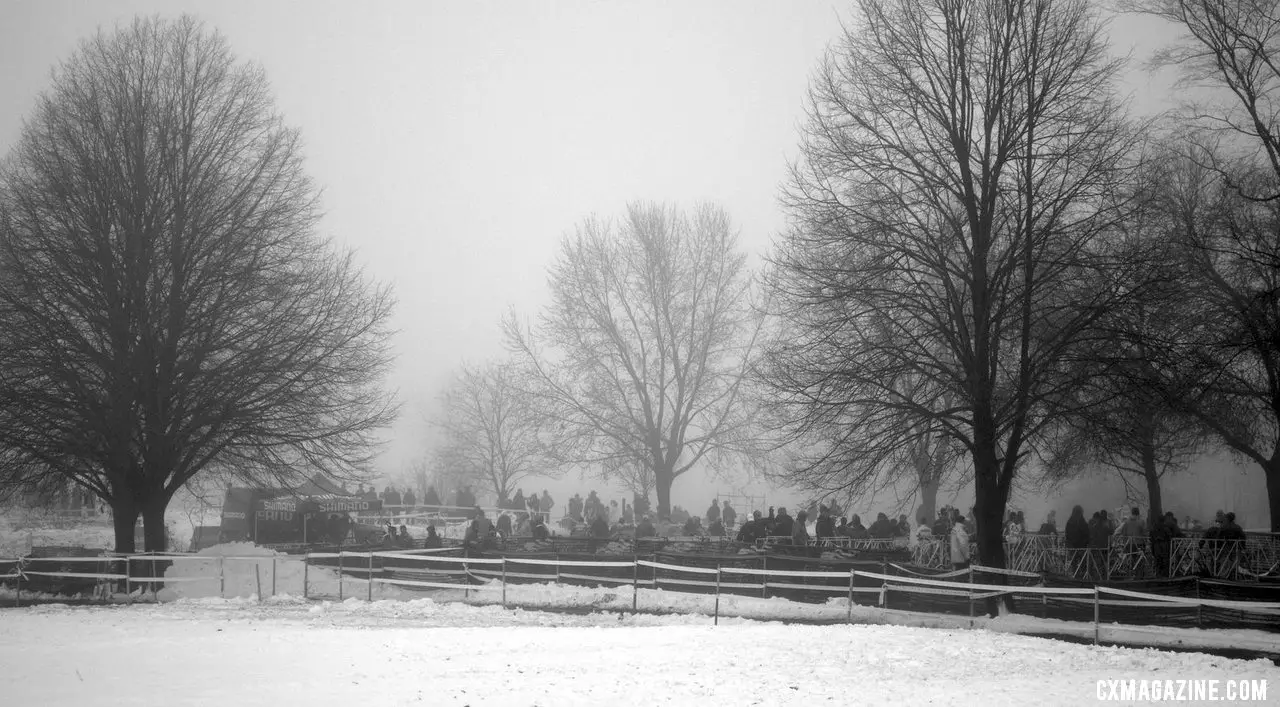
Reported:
(1224, 191)
(493, 430)
(1128, 416)
(166, 306)
(961, 162)
(649, 334)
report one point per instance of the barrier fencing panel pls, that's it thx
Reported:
(436, 569)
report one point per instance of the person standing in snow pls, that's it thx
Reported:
(959, 545)
(728, 514)
(713, 511)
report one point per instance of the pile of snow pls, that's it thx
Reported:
(286, 651)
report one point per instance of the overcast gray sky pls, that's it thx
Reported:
(457, 141)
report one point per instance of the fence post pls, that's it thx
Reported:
(1096, 613)
(635, 582)
(257, 578)
(717, 614)
(1199, 606)
(1044, 598)
(306, 564)
(849, 614)
(17, 567)
(369, 596)
(971, 592)
(884, 583)
(466, 578)
(504, 581)
(557, 568)
(222, 578)
(155, 586)
(764, 578)
(339, 575)
(273, 575)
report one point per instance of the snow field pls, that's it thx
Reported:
(289, 651)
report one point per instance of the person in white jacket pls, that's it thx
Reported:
(959, 545)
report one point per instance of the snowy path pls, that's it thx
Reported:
(394, 653)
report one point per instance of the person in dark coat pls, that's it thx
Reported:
(882, 528)
(405, 539)
(1099, 532)
(799, 533)
(645, 529)
(1163, 532)
(1077, 530)
(856, 530)
(538, 528)
(409, 498)
(504, 525)
(1230, 530)
(825, 527)
(433, 541)
(693, 526)
(784, 524)
(716, 529)
(728, 515)
(600, 527)
(433, 498)
(713, 511)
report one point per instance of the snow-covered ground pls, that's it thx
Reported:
(289, 651)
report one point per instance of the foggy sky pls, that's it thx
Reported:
(457, 142)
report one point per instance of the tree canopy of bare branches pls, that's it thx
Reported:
(641, 354)
(166, 305)
(960, 166)
(1223, 191)
(1126, 416)
(493, 429)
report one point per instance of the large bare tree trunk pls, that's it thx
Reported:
(1155, 505)
(154, 534)
(124, 517)
(663, 478)
(1272, 472)
(928, 500)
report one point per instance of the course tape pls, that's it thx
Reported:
(28, 560)
(813, 587)
(1219, 603)
(953, 573)
(964, 585)
(568, 563)
(676, 568)
(785, 573)
(166, 580)
(590, 578)
(1001, 570)
(78, 575)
